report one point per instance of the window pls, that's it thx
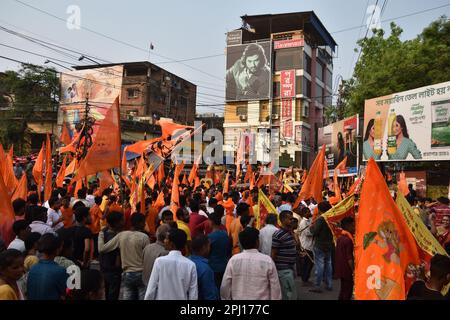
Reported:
(276, 89)
(305, 109)
(307, 63)
(306, 87)
(319, 96)
(133, 93)
(241, 111)
(286, 59)
(329, 78)
(319, 70)
(183, 101)
(298, 84)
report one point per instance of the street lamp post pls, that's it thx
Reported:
(84, 57)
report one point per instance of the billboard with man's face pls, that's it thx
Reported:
(248, 72)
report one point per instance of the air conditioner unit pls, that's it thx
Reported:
(275, 116)
(243, 117)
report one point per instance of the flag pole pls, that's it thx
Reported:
(120, 153)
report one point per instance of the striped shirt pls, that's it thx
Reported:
(284, 242)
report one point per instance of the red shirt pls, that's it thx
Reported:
(194, 221)
(440, 211)
(206, 227)
(344, 253)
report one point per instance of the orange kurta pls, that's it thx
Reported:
(96, 216)
(150, 219)
(235, 228)
(68, 217)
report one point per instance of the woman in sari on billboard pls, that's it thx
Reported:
(405, 145)
(369, 141)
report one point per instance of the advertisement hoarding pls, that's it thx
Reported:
(286, 118)
(248, 75)
(102, 85)
(412, 125)
(340, 141)
(287, 84)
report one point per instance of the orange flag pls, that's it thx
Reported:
(159, 203)
(384, 246)
(169, 128)
(197, 182)
(354, 187)
(38, 170)
(226, 183)
(314, 181)
(6, 214)
(71, 147)
(249, 173)
(105, 151)
(193, 173)
(65, 136)
(185, 182)
(8, 173)
(161, 173)
(105, 179)
(141, 167)
(61, 174)
(48, 169)
(402, 185)
(21, 189)
(175, 200)
(337, 190)
(151, 182)
(304, 175)
(78, 186)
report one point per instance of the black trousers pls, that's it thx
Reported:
(346, 291)
(305, 266)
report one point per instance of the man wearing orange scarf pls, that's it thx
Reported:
(344, 258)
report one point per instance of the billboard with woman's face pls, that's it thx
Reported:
(340, 142)
(409, 125)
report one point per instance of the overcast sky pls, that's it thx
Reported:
(185, 29)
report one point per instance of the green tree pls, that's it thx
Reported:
(24, 94)
(389, 65)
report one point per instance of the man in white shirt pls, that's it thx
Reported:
(173, 277)
(307, 244)
(90, 198)
(250, 275)
(21, 230)
(81, 197)
(212, 202)
(266, 233)
(39, 221)
(54, 216)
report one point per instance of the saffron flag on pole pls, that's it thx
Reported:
(339, 167)
(226, 183)
(38, 169)
(333, 216)
(265, 207)
(61, 174)
(402, 185)
(313, 185)
(21, 189)
(48, 169)
(384, 245)
(8, 173)
(428, 245)
(105, 151)
(65, 136)
(6, 215)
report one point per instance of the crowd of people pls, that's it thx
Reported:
(209, 248)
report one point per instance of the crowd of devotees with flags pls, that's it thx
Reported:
(154, 228)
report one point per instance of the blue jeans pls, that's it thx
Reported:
(133, 286)
(322, 261)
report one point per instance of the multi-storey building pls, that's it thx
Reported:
(299, 51)
(148, 89)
